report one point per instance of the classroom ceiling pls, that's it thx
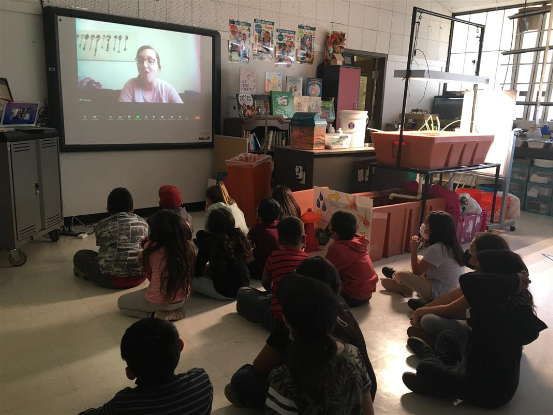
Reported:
(457, 6)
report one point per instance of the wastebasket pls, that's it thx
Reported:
(249, 181)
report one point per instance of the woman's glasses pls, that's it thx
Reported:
(149, 61)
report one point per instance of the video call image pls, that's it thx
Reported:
(136, 64)
(127, 84)
(22, 114)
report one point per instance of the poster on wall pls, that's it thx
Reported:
(248, 79)
(263, 40)
(326, 202)
(239, 45)
(306, 36)
(285, 48)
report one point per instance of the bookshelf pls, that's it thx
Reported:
(244, 127)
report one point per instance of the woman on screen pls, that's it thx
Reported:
(147, 87)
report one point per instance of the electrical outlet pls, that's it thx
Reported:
(300, 174)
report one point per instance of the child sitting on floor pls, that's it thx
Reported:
(152, 350)
(119, 237)
(223, 255)
(264, 235)
(438, 271)
(288, 205)
(170, 198)
(262, 306)
(217, 197)
(168, 259)
(349, 255)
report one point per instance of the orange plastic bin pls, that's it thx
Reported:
(249, 177)
(432, 150)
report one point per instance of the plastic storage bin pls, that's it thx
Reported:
(543, 207)
(469, 225)
(519, 173)
(307, 131)
(432, 150)
(540, 175)
(486, 202)
(249, 178)
(518, 188)
(539, 191)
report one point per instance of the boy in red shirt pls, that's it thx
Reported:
(264, 236)
(349, 255)
(262, 306)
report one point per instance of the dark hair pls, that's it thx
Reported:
(151, 349)
(120, 200)
(321, 269)
(489, 241)
(290, 231)
(442, 229)
(268, 210)
(141, 48)
(503, 261)
(310, 308)
(170, 232)
(218, 193)
(344, 224)
(288, 205)
(228, 241)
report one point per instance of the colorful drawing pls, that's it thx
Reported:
(239, 41)
(306, 35)
(352, 204)
(364, 220)
(334, 196)
(263, 40)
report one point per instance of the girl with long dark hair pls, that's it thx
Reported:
(168, 259)
(218, 197)
(288, 205)
(438, 271)
(224, 251)
(320, 374)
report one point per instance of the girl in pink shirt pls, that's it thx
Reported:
(168, 259)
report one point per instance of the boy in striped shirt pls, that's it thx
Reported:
(151, 348)
(262, 306)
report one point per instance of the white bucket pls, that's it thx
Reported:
(355, 124)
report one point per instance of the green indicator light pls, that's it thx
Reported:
(138, 117)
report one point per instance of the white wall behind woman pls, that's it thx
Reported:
(87, 178)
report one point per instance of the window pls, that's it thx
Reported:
(520, 72)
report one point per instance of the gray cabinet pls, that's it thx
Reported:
(30, 192)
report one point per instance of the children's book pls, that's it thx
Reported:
(327, 110)
(245, 105)
(259, 103)
(314, 104)
(314, 87)
(294, 84)
(301, 104)
(248, 79)
(282, 103)
(273, 81)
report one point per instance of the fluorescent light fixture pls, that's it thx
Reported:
(428, 75)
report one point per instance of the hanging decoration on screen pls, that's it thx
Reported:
(306, 35)
(263, 40)
(106, 46)
(239, 45)
(285, 48)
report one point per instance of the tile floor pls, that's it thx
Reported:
(59, 336)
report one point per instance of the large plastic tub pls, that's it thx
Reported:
(249, 178)
(469, 225)
(486, 202)
(432, 150)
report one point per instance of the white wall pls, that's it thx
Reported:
(371, 25)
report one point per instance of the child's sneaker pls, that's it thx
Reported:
(173, 315)
(79, 274)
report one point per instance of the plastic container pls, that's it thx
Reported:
(519, 173)
(249, 179)
(518, 189)
(355, 123)
(476, 194)
(307, 131)
(540, 175)
(337, 140)
(543, 207)
(486, 202)
(469, 225)
(432, 150)
(539, 191)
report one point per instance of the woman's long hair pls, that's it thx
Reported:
(169, 231)
(218, 193)
(484, 241)
(310, 308)
(288, 205)
(229, 241)
(442, 229)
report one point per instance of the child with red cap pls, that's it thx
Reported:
(170, 198)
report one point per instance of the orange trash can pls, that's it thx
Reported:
(249, 177)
